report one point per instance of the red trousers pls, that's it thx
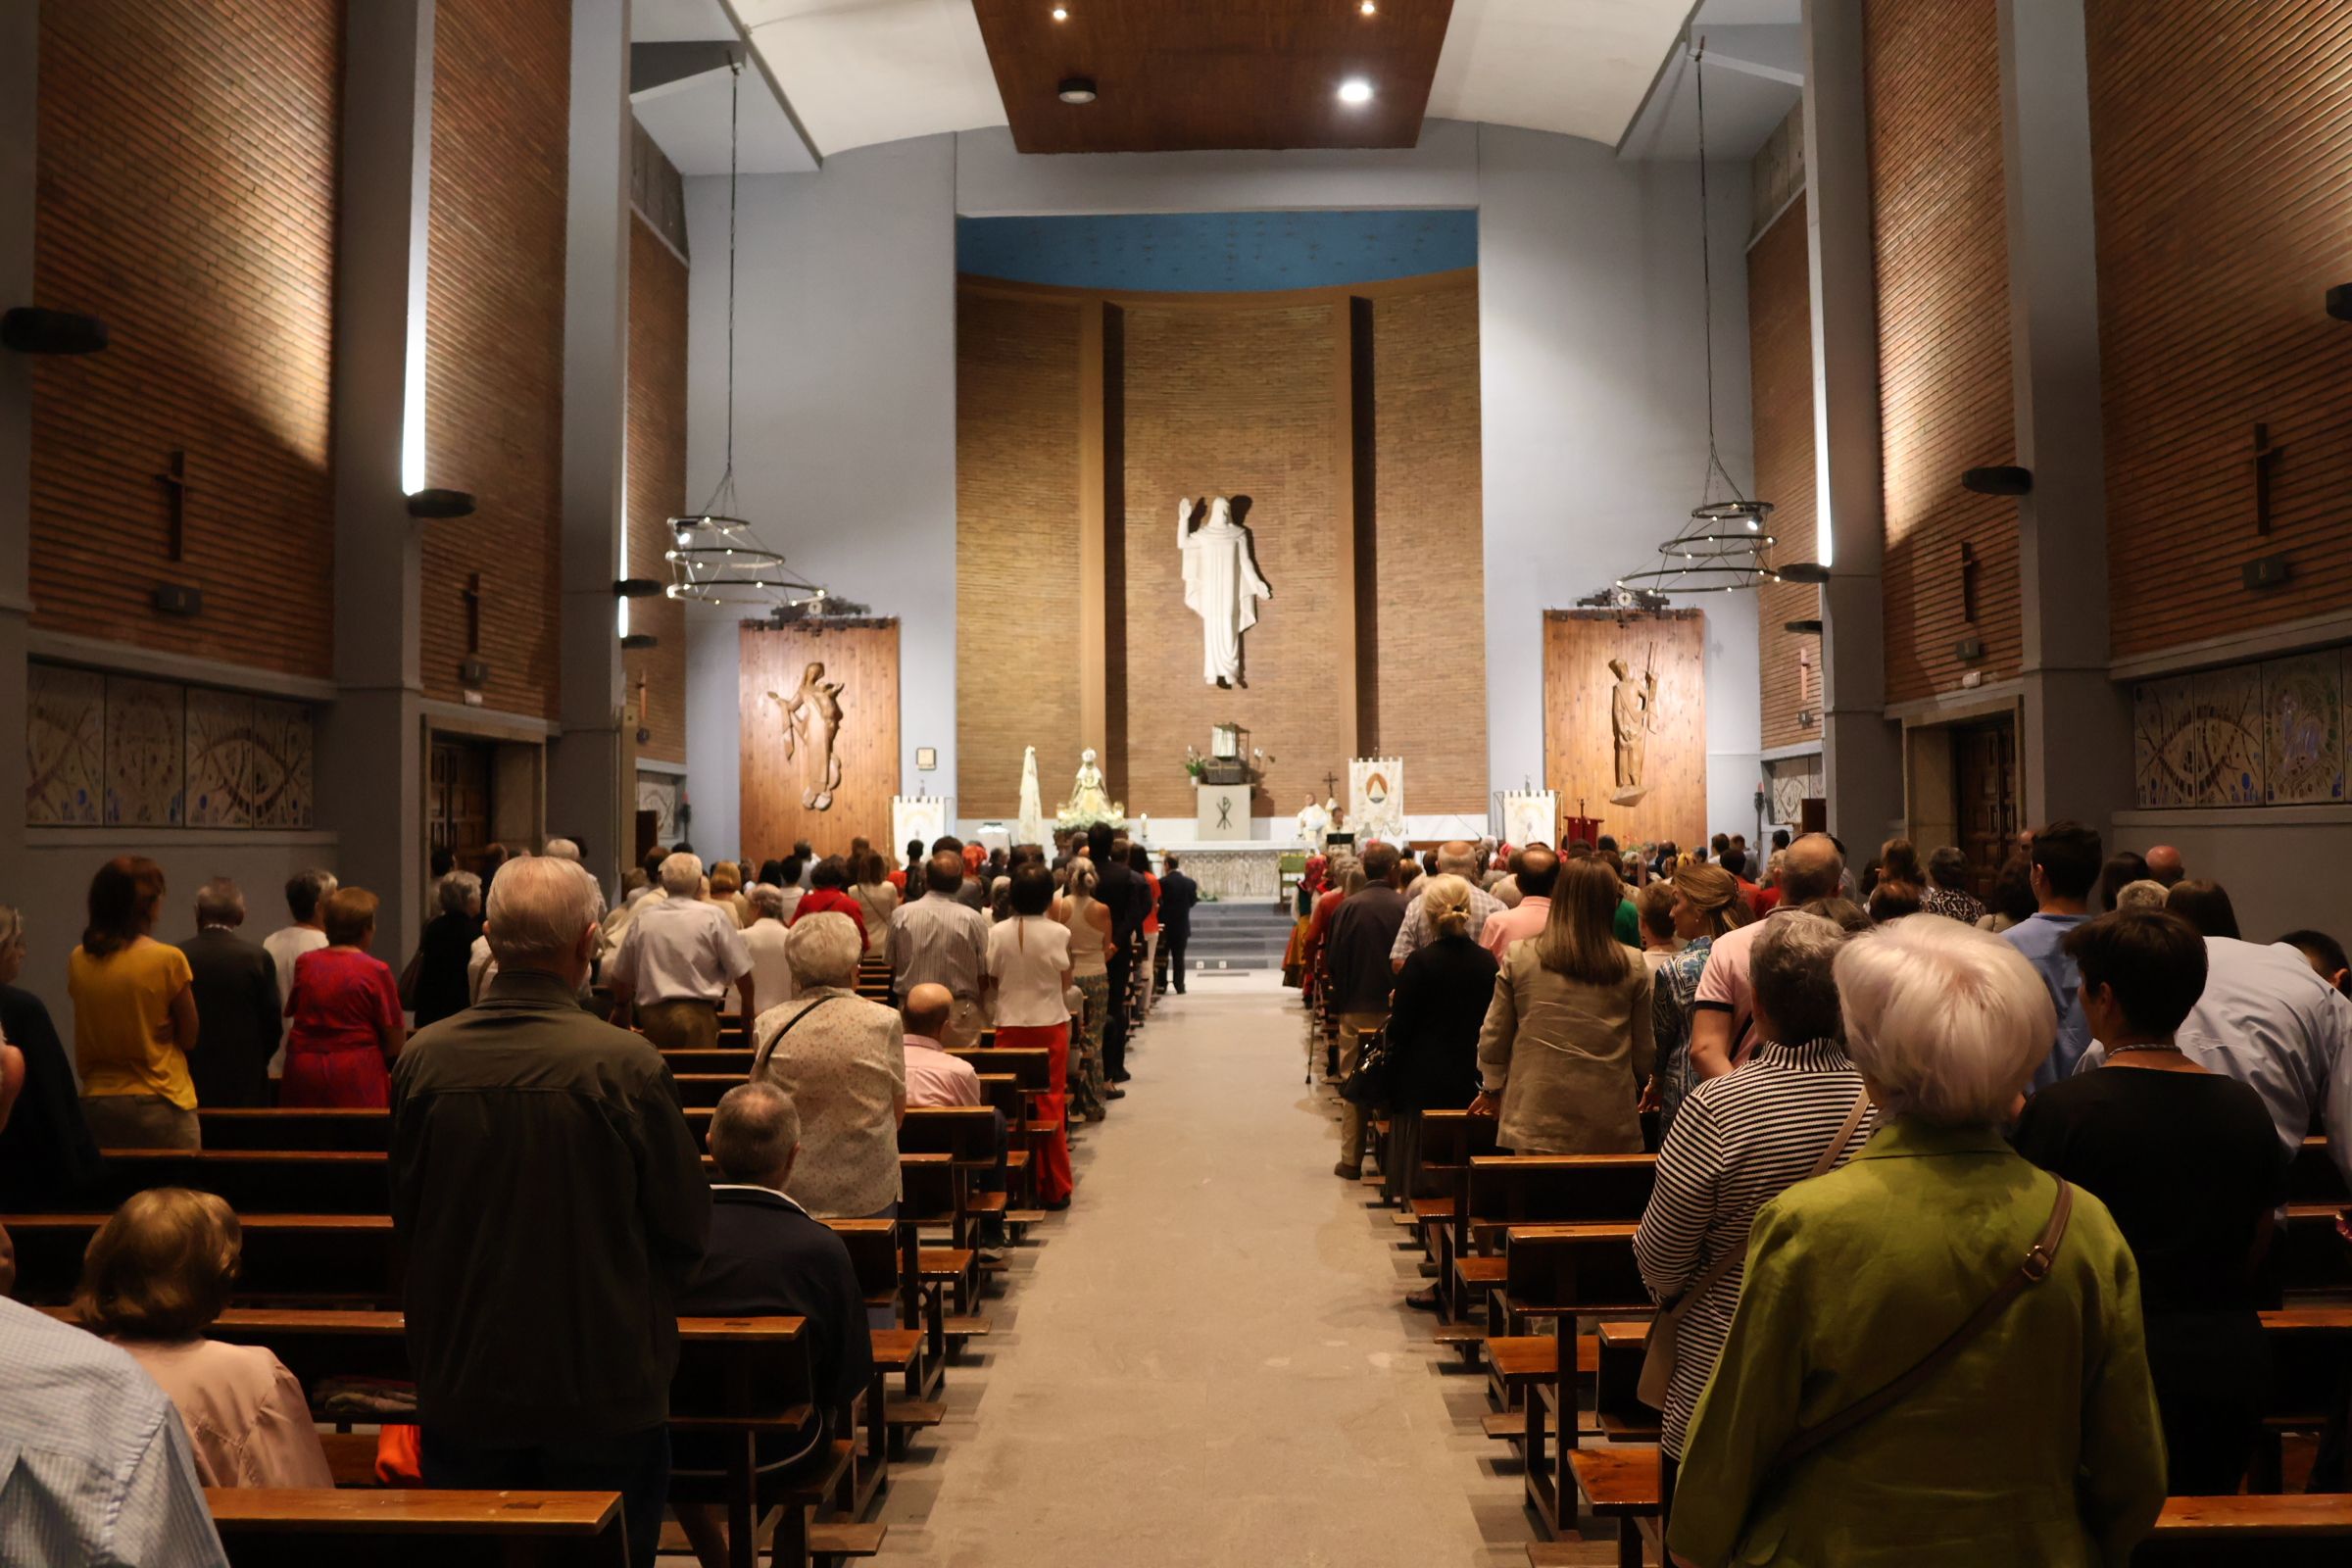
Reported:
(1052, 1161)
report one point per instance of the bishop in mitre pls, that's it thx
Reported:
(1221, 586)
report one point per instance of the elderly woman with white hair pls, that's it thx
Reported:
(843, 1061)
(1937, 1356)
(437, 983)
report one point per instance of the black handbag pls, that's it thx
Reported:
(1374, 1080)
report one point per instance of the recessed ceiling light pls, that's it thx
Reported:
(1355, 90)
(1369, 8)
(1077, 90)
(1063, 13)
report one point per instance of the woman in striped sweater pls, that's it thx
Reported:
(1743, 1139)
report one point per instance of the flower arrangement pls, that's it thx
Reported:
(1193, 764)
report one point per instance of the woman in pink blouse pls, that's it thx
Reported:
(345, 1009)
(155, 1278)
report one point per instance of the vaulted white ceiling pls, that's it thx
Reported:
(857, 72)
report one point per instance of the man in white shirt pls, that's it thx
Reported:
(306, 893)
(1458, 857)
(673, 968)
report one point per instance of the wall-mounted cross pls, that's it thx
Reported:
(2267, 454)
(1968, 583)
(474, 614)
(175, 480)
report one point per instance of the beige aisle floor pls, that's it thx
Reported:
(1206, 1361)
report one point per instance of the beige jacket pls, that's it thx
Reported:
(1568, 1058)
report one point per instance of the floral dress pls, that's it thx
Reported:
(1676, 987)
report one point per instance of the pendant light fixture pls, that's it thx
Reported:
(716, 557)
(1724, 548)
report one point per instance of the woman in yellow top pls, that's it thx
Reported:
(134, 1015)
(2037, 1442)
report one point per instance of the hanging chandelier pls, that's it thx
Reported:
(716, 557)
(1724, 547)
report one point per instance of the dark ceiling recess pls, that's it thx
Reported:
(1189, 76)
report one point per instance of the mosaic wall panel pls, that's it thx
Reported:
(2168, 751)
(2229, 710)
(146, 768)
(125, 752)
(2303, 729)
(64, 746)
(658, 793)
(219, 759)
(2269, 733)
(283, 747)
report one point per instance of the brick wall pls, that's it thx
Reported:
(1431, 551)
(187, 164)
(1780, 360)
(1016, 548)
(656, 483)
(2218, 137)
(1946, 400)
(1237, 400)
(494, 342)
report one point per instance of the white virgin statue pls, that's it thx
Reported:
(1032, 825)
(1221, 586)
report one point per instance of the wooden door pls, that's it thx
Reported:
(459, 809)
(1984, 787)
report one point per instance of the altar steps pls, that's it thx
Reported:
(1248, 935)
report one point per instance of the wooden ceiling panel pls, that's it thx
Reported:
(1190, 75)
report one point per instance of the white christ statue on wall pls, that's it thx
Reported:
(1221, 586)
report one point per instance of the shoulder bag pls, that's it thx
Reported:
(1373, 1082)
(2039, 1260)
(1657, 1363)
(767, 1046)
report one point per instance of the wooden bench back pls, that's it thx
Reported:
(2312, 1178)
(263, 1527)
(735, 1060)
(2255, 1531)
(1028, 1065)
(253, 1181)
(1582, 1269)
(1563, 1189)
(1451, 1138)
(301, 1256)
(272, 1129)
(965, 1134)
(873, 1246)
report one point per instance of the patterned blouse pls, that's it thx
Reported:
(1676, 987)
(1953, 904)
(845, 1068)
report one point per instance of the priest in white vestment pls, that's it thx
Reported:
(1221, 586)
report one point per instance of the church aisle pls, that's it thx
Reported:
(1208, 1363)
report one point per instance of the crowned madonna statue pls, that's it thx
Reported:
(1088, 802)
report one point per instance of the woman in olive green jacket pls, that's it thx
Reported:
(2037, 1442)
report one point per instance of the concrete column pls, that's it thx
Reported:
(371, 761)
(2075, 752)
(590, 793)
(1861, 751)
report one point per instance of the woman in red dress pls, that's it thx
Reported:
(345, 1010)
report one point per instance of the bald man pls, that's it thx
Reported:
(2165, 864)
(1722, 1017)
(933, 1077)
(1455, 857)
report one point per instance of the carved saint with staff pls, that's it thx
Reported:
(1633, 715)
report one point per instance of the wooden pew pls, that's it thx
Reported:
(2250, 1531)
(314, 1181)
(339, 1260)
(737, 1378)
(265, 1526)
(1504, 1191)
(2312, 1178)
(359, 1130)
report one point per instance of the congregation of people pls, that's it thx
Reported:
(519, 1052)
(1871, 1093)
